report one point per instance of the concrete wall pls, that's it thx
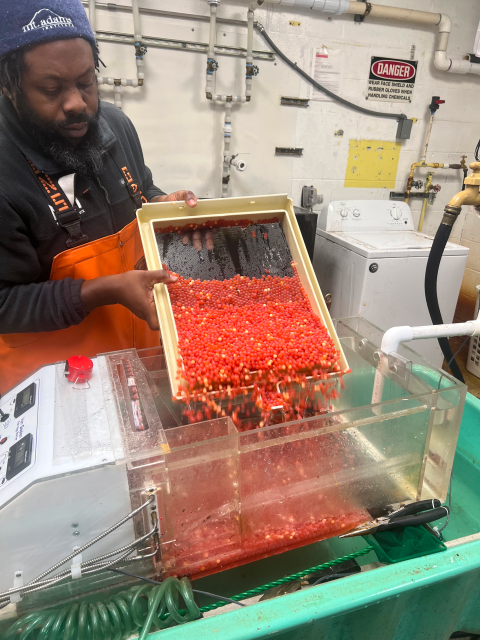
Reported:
(181, 131)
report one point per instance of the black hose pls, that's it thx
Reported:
(319, 87)
(431, 296)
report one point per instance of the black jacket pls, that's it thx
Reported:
(30, 237)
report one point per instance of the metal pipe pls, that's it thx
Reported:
(183, 45)
(469, 195)
(111, 6)
(432, 165)
(424, 205)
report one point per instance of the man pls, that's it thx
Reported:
(72, 176)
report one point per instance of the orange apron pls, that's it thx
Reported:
(108, 328)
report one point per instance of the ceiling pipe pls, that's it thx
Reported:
(338, 7)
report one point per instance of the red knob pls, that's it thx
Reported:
(78, 369)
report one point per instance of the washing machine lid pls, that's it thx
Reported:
(390, 244)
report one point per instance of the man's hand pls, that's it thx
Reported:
(188, 196)
(133, 290)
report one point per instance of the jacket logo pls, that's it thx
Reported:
(46, 19)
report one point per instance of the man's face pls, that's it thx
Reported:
(59, 87)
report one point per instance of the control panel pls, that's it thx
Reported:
(18, 433)
(366, 215)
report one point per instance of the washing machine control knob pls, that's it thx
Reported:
(395, 213)
(344, 213)
(356, 213)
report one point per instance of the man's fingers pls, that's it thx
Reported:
(163, 277)
(188, 196)
(190, 199)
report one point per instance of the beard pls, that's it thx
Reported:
(85, 157)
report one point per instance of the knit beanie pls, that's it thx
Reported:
(31, 22)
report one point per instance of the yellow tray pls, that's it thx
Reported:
(158, 215)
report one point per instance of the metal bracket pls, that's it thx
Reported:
(289, 151)
(294, 102)
(360, 18)
(399, 365)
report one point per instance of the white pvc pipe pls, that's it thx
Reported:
(227, 136)
(140, 67)
(211, 76)
(117, 96)
(137, 31)
(124, 82)
(213, 31)
(397, 335)
(92, 16)
(248, 82)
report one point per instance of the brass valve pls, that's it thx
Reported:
(474, 178)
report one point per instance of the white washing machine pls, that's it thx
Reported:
(372, 262)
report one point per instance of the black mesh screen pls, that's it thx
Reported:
(222, 253)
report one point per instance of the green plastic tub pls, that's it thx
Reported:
(428, 597)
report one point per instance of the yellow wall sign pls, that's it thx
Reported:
(372, 163)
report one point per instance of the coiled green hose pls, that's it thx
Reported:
(136, 610)
(139, 608)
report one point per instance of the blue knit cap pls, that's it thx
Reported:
(31, 22)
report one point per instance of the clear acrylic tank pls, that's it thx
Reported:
(226, 496)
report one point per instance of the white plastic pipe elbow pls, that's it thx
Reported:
(396, 335)
(441, 62)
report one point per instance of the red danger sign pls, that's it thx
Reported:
(393, 70)
(391, 80)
